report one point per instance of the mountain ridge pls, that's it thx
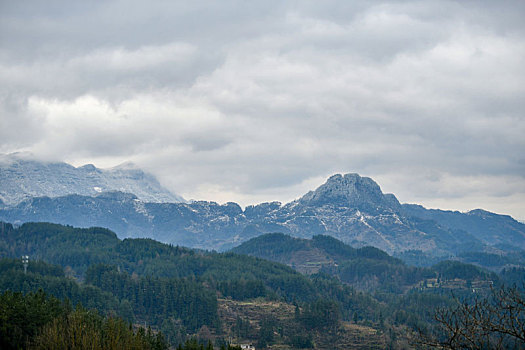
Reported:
(23, 177)
(365, 268)
(348, 207)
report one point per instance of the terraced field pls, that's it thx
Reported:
(346, 336)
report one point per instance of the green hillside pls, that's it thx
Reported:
(216, 297)
(366, 268)
(181, 291)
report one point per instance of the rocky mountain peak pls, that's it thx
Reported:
(350, 190)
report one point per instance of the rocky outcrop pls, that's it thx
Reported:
(348, 207)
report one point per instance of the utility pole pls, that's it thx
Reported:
(25, 261)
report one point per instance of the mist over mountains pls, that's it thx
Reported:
(23, 177)
(348, 207)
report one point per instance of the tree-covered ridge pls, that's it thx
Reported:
(227, 273)
(58, 244)
(365, 268)
(232, 275)
(279, 245)
(173, 289)
(53, 280)
(183, 292)
(77, 249)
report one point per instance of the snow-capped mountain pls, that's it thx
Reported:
(349, 207)
(22, 177)
(355, 210)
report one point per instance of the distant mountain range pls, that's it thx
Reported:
(22, 177)
(348, 207)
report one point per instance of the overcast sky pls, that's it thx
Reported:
(252, 101)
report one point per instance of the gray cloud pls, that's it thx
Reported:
(260, 101)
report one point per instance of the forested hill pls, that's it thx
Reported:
(284, 248)
(76, 249)
(184, 292)
(366, 268)
(213, 296)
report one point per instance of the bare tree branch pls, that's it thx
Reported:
(495, 322)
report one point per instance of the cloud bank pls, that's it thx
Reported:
(252, 102)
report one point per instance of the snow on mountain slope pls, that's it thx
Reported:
(22, 177)
(348, 207)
